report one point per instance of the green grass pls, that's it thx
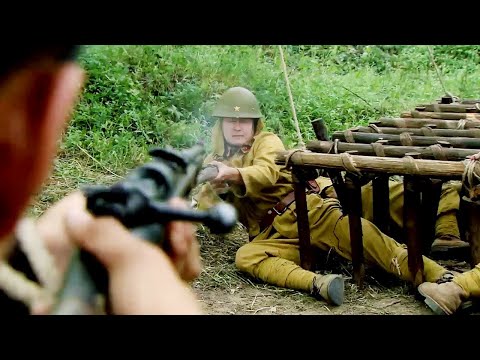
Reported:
(137, 97)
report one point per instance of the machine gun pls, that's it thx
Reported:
(140, 203)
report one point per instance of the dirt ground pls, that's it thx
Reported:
(222, 289)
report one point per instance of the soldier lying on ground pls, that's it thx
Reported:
(249, 179)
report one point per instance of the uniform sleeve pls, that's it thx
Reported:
(206, 197)
(263, 173)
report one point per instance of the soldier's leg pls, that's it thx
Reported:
(332, 230)
(395, 202)
(448, 207)
(447, 233)
(469, 281)
(275, 261)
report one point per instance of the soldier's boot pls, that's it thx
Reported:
(330, 287)
(449, 243)
(444, 298)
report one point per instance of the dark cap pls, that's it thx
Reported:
(17, 55)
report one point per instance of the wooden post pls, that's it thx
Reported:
(423, 131)
(471, 211)
(381, 203)
(321, 133)
(418, 123)
(452, 170)
(448, 108)
(411, 219)
(451, 154)
(439, 115)
(354, 199)
(470, 101)
(431, 190)
(457, 142)
(299, 186)
(320, 129)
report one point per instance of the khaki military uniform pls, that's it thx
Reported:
(469, 281)
(273, 255)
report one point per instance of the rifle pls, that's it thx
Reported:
(139, 202)
(208, 172)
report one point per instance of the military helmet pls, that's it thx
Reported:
(237, 102)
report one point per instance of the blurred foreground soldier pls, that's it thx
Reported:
(39, 86)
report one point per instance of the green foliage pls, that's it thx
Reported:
(137, 97)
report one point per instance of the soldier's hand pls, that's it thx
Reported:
(474, 157)
(61, 237)
(220, 187)
(184, 250)
(226, 173)
(51, 228)
(142, 278)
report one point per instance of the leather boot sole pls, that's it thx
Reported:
(336, 290)
(436, 308)
(432, 304)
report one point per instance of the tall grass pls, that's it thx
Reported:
(137, 97)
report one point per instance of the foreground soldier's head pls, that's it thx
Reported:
(38, 88)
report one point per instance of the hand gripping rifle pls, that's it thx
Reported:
(207, 173)
(140, 203)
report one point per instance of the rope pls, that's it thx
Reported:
(375, 128)
(406, 139)
(378, 148)
(400, 122)
(16, 285)
(470, 178)
(349, 136)
(332, 146)
(438, 71)
(427, 131)
(347, 159)
(284, 66)
(349, 164)
(41, 260)
(461, 124)
(438, 152)
(288, 164)
(411, 165)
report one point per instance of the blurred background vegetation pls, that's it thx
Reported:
(137, 97)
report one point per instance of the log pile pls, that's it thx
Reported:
(427, 146)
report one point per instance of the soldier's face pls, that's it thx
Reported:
(237, 131)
